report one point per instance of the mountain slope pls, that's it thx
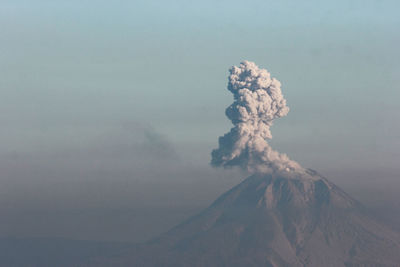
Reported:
(272, 220)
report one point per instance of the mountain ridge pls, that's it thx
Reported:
(273, 220)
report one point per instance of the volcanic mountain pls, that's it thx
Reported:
(273, 220)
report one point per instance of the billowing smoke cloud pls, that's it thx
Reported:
(258, 100)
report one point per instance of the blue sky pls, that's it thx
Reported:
(88, 65)
(79, 77)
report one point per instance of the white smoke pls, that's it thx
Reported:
(258, 100)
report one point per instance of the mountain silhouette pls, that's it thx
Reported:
(272, 220)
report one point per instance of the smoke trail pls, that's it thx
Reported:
(258, 100)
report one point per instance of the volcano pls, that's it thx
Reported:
(273, 220)
(282, 215)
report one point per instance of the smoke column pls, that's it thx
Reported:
(258, 100)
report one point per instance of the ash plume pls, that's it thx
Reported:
(258, 100)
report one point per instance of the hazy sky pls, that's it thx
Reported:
(110, 109)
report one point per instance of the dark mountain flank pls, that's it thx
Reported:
(271, 220)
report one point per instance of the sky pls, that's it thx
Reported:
(110, 109)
